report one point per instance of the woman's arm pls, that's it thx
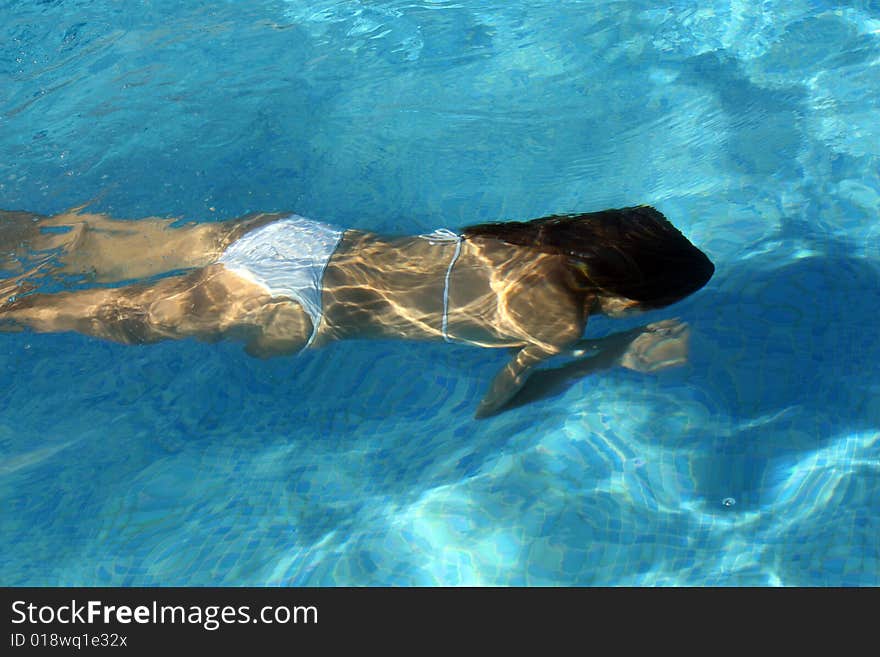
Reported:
(512, 377)
(648, 349)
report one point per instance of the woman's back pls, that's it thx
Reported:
(491, 293)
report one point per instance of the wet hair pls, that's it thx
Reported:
(630, 252)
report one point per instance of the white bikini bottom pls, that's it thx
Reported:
(288, 258)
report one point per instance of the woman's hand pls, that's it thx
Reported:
(650, 348)
(659, 346)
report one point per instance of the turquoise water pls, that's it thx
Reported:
(753, 126)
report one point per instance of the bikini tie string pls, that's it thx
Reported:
(440, 236)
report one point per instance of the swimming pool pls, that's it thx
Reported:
(752, 126)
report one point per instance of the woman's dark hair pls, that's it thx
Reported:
(631, 252)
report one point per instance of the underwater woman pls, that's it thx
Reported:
(281, 283)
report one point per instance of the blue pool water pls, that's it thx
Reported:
(753, 126)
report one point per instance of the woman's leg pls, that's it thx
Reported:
(109, 250)
(208, 304)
